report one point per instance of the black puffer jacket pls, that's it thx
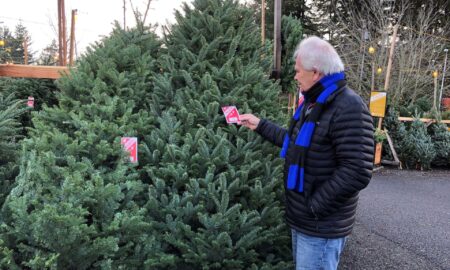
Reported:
(338, 165)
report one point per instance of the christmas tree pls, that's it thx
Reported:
(204, 194)
(215, 188)
(77, 201)
(42, 91)
(10, 111)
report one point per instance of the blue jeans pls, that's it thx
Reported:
(314, 253)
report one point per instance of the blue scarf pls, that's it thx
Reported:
(327, 86)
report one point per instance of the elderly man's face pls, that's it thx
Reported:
(305, 78)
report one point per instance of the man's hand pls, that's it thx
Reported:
(249, 120)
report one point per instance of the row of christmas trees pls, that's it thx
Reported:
(203, 195)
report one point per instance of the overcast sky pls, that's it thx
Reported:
(95, 17)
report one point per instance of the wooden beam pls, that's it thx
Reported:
(391, 145)
(27, 71)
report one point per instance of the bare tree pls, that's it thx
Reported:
(363, 24)
(138, 15)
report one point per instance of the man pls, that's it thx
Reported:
(328, 151)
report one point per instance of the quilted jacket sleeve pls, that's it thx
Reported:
(352, 137)
(271, 132)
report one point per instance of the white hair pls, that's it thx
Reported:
(316, 53)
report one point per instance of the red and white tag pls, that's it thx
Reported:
(130, 144)
(231, 114)
(30, 102)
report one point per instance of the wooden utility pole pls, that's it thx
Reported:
(389, 67)
(277, 43)
(263, 21)
(62, 33)
(59, 35)
(391, 54)
(72, 36)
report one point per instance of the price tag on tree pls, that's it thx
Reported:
(231, 114)
(130, 144)
(30, 102)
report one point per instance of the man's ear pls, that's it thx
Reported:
(317, 76)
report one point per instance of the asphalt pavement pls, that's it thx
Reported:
(403, 222)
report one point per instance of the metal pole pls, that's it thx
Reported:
(443, 77)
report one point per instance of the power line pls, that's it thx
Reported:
(28, 21)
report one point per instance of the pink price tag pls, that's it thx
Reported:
(30, 102)
(130, 144)
(231, 114)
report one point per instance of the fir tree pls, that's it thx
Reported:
(417, 149)
(292, 33)
(205, 195)
(10, 110)
(6, 49)
(77, 202)
(42, 90)
(441, 140)
(215, 188)
(21, 37)
(49, 55)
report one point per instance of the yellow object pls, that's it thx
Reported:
(435, 74)
(2, 43)
(379, 70)
(371, 50)
(377, 103)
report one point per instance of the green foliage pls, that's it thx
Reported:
(445, 115)
(43, 90)
(14, 50)
(49, 55)
(292, 33)
(10, 110)
(77, 203)
(419, 108)
(441, 140)
(221, 200)
(205, 195)
(379, 135)
(416, 148)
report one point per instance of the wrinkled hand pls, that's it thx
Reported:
(249, 120)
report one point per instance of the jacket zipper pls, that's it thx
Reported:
(315, 218)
